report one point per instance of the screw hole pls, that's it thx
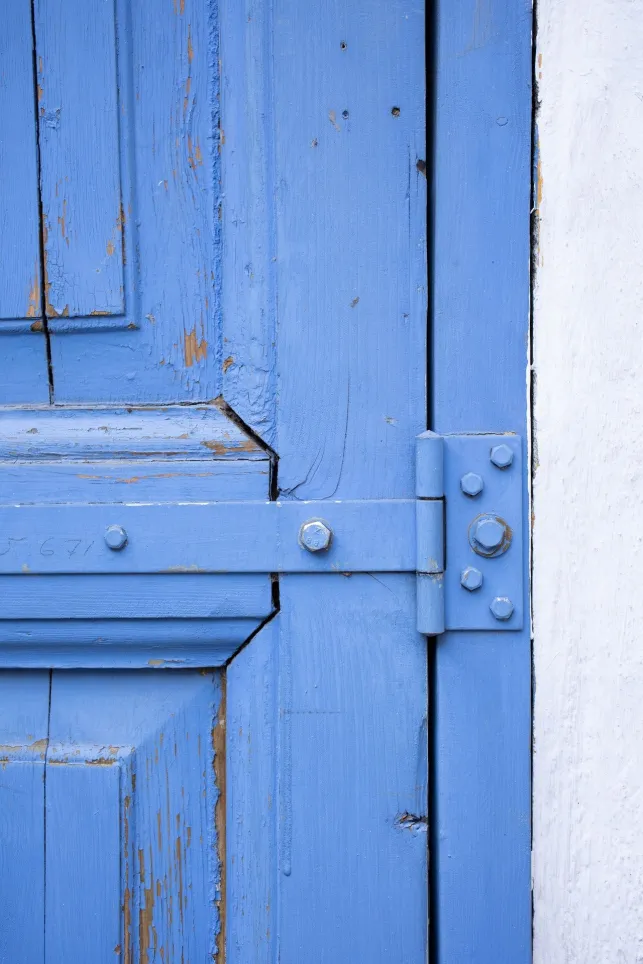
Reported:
(395, 111)
(345, 114)
(343, 45)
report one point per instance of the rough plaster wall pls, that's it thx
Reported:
(588, 531)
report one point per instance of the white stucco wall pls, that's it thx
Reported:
(588, 490)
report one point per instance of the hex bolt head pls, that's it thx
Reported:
(471, 484)
(502, 607)
(315, 536)
(489, 533)
(115, 537)
(501, 456)
(471, 578)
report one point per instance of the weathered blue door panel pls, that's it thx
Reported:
(131, 764)
(23, 370)
(327, 777)
(129, 148)
(24, 708)
(213, 330)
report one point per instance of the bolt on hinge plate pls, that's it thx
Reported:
(475, 579)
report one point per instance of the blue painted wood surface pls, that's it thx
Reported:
(132, 870)
(327, 779)
(23, 359)
(24, 707)
(271, 247)
(324, 256)
(371, 535)
(324, 232)
(79, 158)
(165, 345)
(19, 230)
(482, 794)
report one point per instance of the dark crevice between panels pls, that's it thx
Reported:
(41, 222)
(250, 432)
(433, 949)
(536, 189)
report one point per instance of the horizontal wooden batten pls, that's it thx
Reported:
(216, 537)
(75, 433)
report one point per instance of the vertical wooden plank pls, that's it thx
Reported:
(248, 234)
(24, 708)
(132, 757)
(23, 364)
(83, 857)
(481, 835)
(79, 157)
(166, 347)
(23, 359)
(252, 809)
(350, 752)
(343, 123)
(19, 244)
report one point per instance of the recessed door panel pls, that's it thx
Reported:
(23, 355)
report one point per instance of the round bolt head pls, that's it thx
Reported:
(471, 484)
(502, 456)
(315, 536)
(489, 533)
(115, 537)
(502, 607)
(471, 578)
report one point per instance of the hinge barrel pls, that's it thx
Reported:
(429, 487)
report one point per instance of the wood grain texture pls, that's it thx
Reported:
(332, 786)
(344, 130)
(19, 243)
(23, 367)
(79, 157)
(171, 432)
(588, 608)
(170, 643)
(24, 708)
(23, 360)
(168, 346)
(248, 291)
(131, 766)
(482, 794)
(114, 455)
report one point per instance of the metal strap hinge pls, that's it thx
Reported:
(469, 532)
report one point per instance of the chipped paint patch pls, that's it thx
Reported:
(194, 351)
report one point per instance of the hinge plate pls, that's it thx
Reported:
(497, 603)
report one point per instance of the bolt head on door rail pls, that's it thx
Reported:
(315, 536)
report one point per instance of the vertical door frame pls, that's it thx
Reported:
(480, 315)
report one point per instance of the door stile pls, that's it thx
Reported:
(481, 798)
(327, 761)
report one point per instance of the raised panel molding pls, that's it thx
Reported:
(114, 815)
(65, 460)
(132, 849)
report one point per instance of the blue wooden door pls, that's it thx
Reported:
(214, 715)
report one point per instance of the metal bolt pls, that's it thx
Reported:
(489, 533)
(502, 456)
(315, 536)
(471, 578)
(502, 607)
(115, 537)
(471, 484)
